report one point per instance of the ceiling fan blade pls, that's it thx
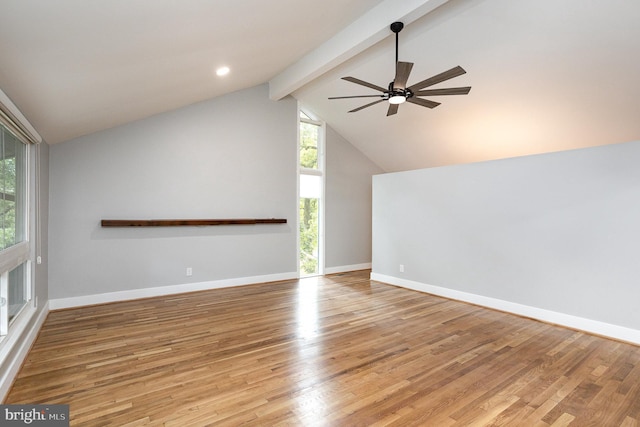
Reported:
(366, 105)
(446, 75)
(363, 83)
(403, 69)
(356, 96)
(423, 102)
(447, 91)
(393, 108)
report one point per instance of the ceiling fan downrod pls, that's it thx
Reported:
(396, 27)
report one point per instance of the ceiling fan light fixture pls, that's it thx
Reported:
(397, 99)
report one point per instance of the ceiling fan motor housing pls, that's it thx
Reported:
(406, 93)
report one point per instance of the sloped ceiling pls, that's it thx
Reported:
(546, 75)
(75, 66)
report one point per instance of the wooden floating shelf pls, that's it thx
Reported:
(187, 222)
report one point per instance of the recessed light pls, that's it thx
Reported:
(222, 71)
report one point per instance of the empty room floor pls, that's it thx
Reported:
(338, 350)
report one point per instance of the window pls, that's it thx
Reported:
(17, 290)
(12, 189)
(14, 246)
(311, 184)
(309, 136)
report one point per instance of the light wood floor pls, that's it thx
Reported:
(334, 351)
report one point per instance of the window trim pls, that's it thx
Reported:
(16, 122)
(319, 171)
(14, 255)
(19, 253)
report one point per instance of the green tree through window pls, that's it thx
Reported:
(309, 145)
(310, 195)
(10, 148)
(308, 236)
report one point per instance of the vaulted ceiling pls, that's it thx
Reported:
(77, 66)
(546, 75)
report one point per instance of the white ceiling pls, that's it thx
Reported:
(75, 66)
(546, 75)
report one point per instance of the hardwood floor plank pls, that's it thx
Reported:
(629, 422)
(327, 351)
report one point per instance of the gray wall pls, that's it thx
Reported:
(230, 157)
(233, 156)
(42, 241)
(558, 231)
(348, 203)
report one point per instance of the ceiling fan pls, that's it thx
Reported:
(398, 92)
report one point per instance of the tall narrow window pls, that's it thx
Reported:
(14, 247)
(311, 183)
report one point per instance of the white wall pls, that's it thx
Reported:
(230, 157)
(348, 205)
(554, 236)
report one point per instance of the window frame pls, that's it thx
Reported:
(319, 171)
(20, 252)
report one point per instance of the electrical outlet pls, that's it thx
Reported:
(401, 268)
(189, 271)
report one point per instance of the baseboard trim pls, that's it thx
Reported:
(346, 268)
(574, 322)
(80, 301)
(13, 365)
